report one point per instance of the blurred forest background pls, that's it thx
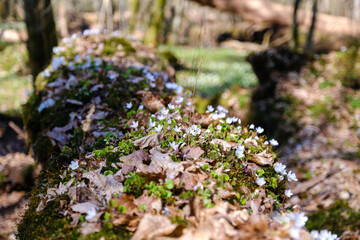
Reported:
(292, 67)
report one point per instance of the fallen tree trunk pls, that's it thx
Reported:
(267, 12)
(127, 156)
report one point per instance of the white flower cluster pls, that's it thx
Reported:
(240, 151)
(260, 181)
(299, 220)
(323, 235)
(173, 86)
(174, 146)
(281, 169)
(219, 113)
(195, 130)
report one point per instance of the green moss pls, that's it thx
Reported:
(111, 46)
(337, 219)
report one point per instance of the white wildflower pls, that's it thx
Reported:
(252, 126)
(152, 124)
(135, 124)
(141, 107)
(259, 130)
(274, 142)
(179, 100)
(112, 75)
(74, 165)
(177, 129)
(266, 143)
(210, 109)
(174, 145)
(170, 106)
(45, 73)
(280, 168)
(260, 181)
(161, 117)
(299, 219)
(288, 193)
(221, 109)
(219, 127)
(256, 138)
(90, 214)
(129, 105)
(194, 130)
(164, 111)
(240, 151)
(291, 176)
(323, 235)
(229, 120)
(158, 128)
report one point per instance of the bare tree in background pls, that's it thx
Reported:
(157, 17)
(63, 20)
(309, 41)
(295, 26)
(135, 6)
(41, 33)
(106, 14)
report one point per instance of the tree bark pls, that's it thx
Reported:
(295, 26)
(135, 6)
(157, 16)
(41, 33)
(309, 42)
(63, 22)
(266, 12)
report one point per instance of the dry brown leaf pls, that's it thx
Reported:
(204, 120)
(192, 152)
(151, 103)
(84, 207)
(151, 203)
(58, 134)
(151, 140)
(133, 160)
(152, 226)
(263, 159)
(89, 117)
(162, 163)
(190, 180)
(88, 228)
(225, 144)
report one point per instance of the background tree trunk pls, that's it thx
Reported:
(41, 33)
(157, 16)
(63, 22)
(267, 12)
(295, 26)
(309, 41)
(135, 6)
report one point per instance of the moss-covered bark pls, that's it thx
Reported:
(157, 16)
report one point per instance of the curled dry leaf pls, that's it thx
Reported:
(263, 159)
(89, 117)
(88, 228)
(58, 134)
(162, 163)
(251, 141)
(153, 226)
(202, 119)
(151, 140)
(152, 103)
(84, 207)
(192, 152)
(225, 144)
(133, 160)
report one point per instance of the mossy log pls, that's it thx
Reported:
(126, 155)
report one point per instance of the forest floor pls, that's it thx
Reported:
(324, 152)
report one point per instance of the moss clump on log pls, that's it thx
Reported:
(127, 156)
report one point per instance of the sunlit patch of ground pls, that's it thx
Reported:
(221, 68)
(15, 81)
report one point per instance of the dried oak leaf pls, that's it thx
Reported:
(151, 103)
(190, 180)
(204, 120)
(162, 163)
(153, 226)
(225, 144)
(192, 152)
(263, 159)
(151, 140)
(133, 160)
(151, 203)
(88, 228)
(58, 134)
